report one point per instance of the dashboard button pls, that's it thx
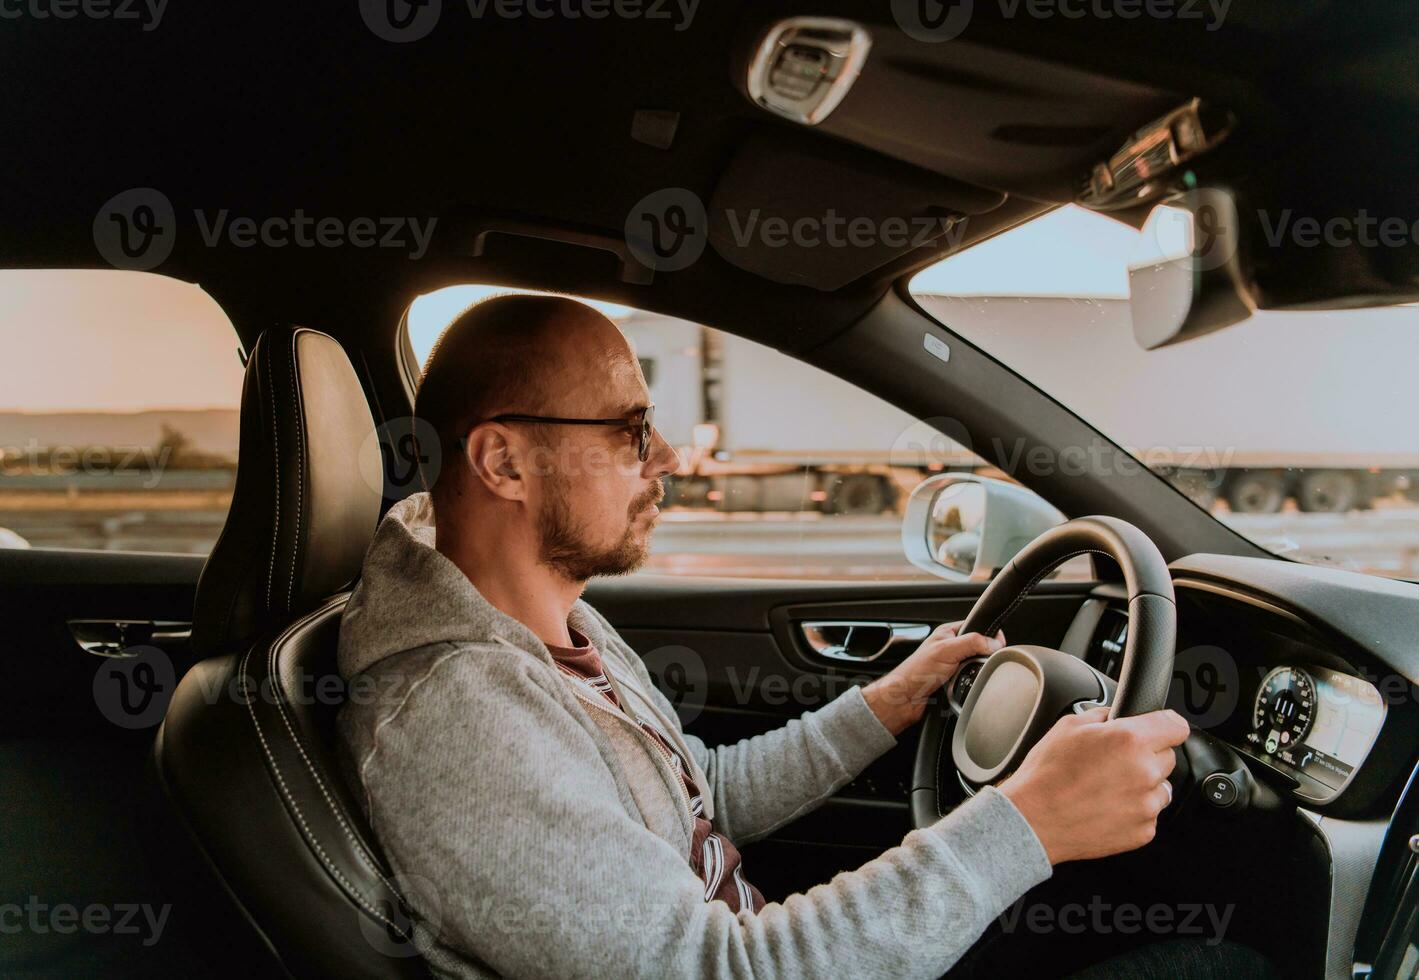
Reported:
(1219, 789)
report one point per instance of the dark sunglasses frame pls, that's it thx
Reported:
(644, 418)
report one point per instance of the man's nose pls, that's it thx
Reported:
(663, 459)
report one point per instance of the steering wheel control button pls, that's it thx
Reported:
(961, 688)
(1220, 789)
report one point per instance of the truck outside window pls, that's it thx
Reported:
(1294, 428)
(766, 489)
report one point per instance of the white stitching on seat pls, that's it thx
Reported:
(276, 446)
(298, 408)
(290, 799)
(310, 767)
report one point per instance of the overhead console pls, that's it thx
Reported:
(935, 146)
(979, 114)
(1038, 112)
(804, 66)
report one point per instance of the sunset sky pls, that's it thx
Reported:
(101, 340)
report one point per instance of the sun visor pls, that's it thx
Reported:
(822, 215)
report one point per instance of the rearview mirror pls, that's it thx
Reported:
(965, 528)
(1192, 282)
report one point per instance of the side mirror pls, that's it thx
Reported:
(964, 528)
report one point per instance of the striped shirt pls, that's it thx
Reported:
(712, 855)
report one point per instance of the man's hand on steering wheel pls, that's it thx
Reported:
(899, 698)
(1093, 787)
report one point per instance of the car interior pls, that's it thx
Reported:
(531, 141)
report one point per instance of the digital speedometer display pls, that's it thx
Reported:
(1285, 706)
(1315, 723)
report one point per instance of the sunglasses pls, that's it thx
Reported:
(642, 422)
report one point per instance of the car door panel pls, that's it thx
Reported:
(76, 804)
(46, 677)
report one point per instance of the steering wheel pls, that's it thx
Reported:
(1003, 704)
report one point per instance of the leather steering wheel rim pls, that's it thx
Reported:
(1148, 650)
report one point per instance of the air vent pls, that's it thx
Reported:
(804, 66)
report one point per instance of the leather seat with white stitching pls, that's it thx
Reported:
(246, 754)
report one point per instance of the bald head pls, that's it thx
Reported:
(532, 355)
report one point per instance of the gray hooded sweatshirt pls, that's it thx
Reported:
(538, 833)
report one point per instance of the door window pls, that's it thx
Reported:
(119, 398)
(787, 471)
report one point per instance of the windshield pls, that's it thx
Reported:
(1297, 429)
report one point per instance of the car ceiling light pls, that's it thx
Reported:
(804, 66)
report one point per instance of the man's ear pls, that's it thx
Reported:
(495, 461)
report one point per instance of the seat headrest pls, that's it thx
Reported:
(306, 500)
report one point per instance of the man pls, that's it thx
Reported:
(534, 792)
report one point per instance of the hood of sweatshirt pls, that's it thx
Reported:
(410, 595)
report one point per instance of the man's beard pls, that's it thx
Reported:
(564, 545)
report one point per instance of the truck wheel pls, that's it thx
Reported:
(687, 491)
(1256, 492)
(741, 492)
(1328, 492)
(1200, 486)
(858, 493)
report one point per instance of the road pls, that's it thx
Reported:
(816, 546)
(813, 546)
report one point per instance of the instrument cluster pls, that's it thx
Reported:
(1314, 724)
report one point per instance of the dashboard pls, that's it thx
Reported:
(1310, 676)
(1307, 705)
